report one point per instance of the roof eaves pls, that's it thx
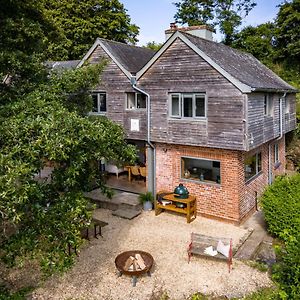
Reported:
(97, 43)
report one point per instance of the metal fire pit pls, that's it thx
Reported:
(122, 258)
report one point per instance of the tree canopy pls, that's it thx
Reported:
(44, 217)
(24, 31)
(227, 14)
(81, 22)
(44, 121)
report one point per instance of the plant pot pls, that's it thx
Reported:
(147, 205)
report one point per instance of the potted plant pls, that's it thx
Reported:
(147, 200)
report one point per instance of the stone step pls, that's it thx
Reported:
(120, 200)
(250, 246)
(126, 213)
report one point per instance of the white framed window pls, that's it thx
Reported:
(202, 170)
(99, 103)
(276, 153)
(135, 101)
(187, 105)
(268, 105)
(253, 165)
(287, 105)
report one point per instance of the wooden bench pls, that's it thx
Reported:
(200, 242)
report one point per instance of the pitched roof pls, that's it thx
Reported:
(129, 58)
(241, 65)
(240, 68)
(132, 58)
(67, 64)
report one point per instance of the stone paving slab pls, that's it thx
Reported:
(126, 213)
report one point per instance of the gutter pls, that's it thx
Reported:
(133, 84)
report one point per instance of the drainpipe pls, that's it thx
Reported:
(281, 115)
(152, 153)
(280, 136)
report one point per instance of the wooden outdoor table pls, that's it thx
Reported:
(190, 210)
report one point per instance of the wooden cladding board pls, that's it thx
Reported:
(181, 70)
(115, 83)
(265, 128)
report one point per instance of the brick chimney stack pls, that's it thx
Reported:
(203, 31)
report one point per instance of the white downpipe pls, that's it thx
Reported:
(133, 84)
(270, 176)
(279, 138)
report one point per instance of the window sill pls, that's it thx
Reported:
(97, 113)
(205, 182)
(187, 119)
(253, 177)
(136, 109)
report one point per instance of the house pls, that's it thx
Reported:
(211, 117)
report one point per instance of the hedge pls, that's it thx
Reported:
(281, 206)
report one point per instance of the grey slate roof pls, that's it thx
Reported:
(241, 65)
(67, 64)
(132, 58)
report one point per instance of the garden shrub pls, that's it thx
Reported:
(281, 205)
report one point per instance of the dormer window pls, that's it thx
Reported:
(99, 103)
(268, 105)
(136, 101)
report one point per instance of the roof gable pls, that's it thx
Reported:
(241, 69)
(130, 59)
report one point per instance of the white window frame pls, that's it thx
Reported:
(99, 112)
(268, 105)
(135, 101)
(181, 106)
(257, 171)
(287, 105)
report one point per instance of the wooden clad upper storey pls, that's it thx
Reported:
(236, 87)
(202, 93)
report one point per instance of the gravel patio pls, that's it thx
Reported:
(166, 237)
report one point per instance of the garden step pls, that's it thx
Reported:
(126, 213)
(120, 200)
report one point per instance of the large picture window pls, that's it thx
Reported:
(99, 103)
(135, 101)
(187, 105)
(252, 165)
(202, 170)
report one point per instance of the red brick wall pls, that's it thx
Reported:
(233, 199)
(255, 186)
(214, 200)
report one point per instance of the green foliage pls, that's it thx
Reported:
(264, 294)
(81, 22)
(44, 126)
(260, 266)
(259, 41)
(146, 197)
(19, 295)
(227, 14)
(24, 31)
(281, 205)
(153, 45)
(288, 31)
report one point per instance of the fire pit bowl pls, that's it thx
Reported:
(121, 259)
